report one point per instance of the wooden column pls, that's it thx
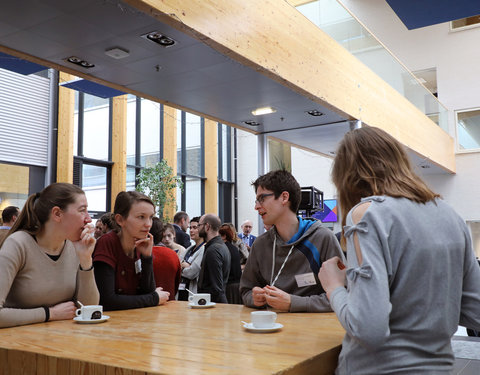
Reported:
(66, 107)
(211, 167)
(119, 146)
(170, 151)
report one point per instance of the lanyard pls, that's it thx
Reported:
(272, 283)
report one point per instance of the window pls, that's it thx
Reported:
(190, 163)
(465, 23)
(225, 180)
(92, 165)
(468, 130)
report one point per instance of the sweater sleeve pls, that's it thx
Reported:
(87, 292)
(11, 262)
(147, 281)
(251, 277)
(105, 278)
(193, 271)
(364, 311)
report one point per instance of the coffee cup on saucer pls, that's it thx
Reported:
(263, 319)
(199, 299)
(89, 312)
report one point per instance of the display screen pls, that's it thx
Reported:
(329, 213)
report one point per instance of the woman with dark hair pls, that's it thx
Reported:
(411, 276)
(233, 284)
(123, 259)
(46, 259)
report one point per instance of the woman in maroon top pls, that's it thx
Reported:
(123, 259)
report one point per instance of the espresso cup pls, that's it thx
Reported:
(200, 299)
(263, 319)
(90, 312)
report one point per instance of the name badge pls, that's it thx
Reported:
(305, 279)
(138, 266)
(182, 286)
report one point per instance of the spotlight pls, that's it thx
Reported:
(159, 38)
(252, 123)
(314, 112)
(78, 61)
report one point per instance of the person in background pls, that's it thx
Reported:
(168, 240)
(281, 270)
(192, 262)
(411, 278)
(233, 283)
(181, 222)
(239, 244)
(98, 230)
(166, 266)
(215, 269)
(46, 261)
(123, 260)
(9, 216)
(245, 235)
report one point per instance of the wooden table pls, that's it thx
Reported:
(173, 339)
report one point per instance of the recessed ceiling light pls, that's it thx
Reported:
(425, 166)
(159, 38)
(117, 53)
(263, 111)
(252, 123)
(315, 112)
(78, 61)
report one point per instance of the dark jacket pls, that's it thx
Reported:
(235, 267)
(215, 269)
(181, 237)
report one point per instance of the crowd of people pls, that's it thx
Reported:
(410, 280)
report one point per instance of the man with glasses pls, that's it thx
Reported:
(215, 268)
(282, 268)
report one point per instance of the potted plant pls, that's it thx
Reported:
(159, 182)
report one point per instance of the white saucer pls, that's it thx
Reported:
(208, 305)
(250, 327)
(79, 319)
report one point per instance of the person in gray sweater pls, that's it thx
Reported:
(281, 270)
(411, 278)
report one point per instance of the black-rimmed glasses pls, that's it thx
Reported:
(261, 198)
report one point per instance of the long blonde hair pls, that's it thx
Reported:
(369, 162)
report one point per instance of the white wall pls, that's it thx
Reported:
(456, 57)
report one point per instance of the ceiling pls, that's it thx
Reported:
(189, 75)
(421, 13)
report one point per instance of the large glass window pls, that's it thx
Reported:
(150, 132)
(225, 179)
(468, 130)
(190, 163)
(92, 150)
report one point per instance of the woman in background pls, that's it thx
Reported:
(233, 284)
(169, 241)
(123, 260)
(412, 275)
(46, 260)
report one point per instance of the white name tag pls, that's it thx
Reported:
(305, 279)
(181, 286)
(138, 266)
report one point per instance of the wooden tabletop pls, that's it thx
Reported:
(174, 339)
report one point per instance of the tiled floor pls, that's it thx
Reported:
(466, 366)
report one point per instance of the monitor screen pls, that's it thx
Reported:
(329, 213)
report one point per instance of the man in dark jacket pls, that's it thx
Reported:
(181, 221)
(215, 269)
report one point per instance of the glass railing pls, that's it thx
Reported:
(336, 21)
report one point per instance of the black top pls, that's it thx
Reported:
(181, 237)
(215, 269)
(235, 267)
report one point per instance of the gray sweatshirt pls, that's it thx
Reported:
(418, 280)
(312, 245)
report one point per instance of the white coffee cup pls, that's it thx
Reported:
(263, 319)
(200, 299)
(90, 312)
